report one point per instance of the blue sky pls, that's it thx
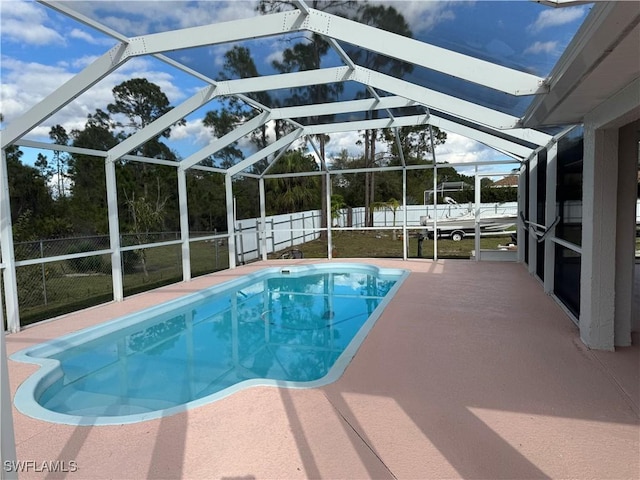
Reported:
(41, 49)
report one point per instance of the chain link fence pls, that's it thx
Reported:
(62, 285)
(53, 288)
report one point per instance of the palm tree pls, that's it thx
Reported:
(293, 194)
(391, 204)
(337, 204)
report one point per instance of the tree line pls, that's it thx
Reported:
(64, 194)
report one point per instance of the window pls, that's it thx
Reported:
(541, 204)
(569, 187)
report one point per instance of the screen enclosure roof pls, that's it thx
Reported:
(495, 72)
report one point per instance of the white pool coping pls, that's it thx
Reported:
(31, 389)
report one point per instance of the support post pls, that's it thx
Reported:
(435, 209)
(8, 253)
(7, 437)
(477, 200)
(533, 204)
(599, 204)
(550, 216)
(263, 219)
(522, 193)
(231, 221)
(114, 230)
(184, 224)
(329, 236)
(405, 241)
(435, 195)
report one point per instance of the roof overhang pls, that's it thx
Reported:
(602, 60)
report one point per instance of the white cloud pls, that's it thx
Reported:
(274, 56)
(459, 149)
(84, 61)
(138, 18)
(18, 31)
(26, 83)
(456, 150)
(556, 17)
(217, 52)
(25, 22)
(78, 34)
(81, 35)
(542, 47)
(193, 131)
(348, 141)
(206, 12)
(425, 15)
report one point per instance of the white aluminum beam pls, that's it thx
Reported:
(69, 91)
(311, 173)
(482, 137)
(396, 137)
(562, 3)
(439, 101)
(202, 97)
(60, 148)
(184, 224)
(114, 231)
(529, 135)
(550, 214)
(231, 220)
(386, 43)
(224, 32)
(322, 161)
(335, 108)
(64, 9)
(328, 218)
(405, 240)
(95, 153)
(273, 162)
(479, 164)
(265, 152)
(419, 53)
(263, 218)
(285, 80)
(229, 138)
(329, 128)
(517, 158)
(8, 252)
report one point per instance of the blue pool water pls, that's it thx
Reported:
(296, 327)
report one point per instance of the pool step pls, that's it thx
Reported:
(76, 402)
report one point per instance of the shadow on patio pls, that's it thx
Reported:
(471, 372)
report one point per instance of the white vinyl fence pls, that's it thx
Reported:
(282, 232)
(289, 230)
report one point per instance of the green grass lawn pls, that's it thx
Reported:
(63, 288)
(359, 244)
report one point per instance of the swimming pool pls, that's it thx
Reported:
(294, 327)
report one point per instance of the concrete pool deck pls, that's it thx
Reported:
(470, 372)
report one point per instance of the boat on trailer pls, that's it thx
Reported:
(456, 228)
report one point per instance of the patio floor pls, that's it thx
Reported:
(470, 372)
